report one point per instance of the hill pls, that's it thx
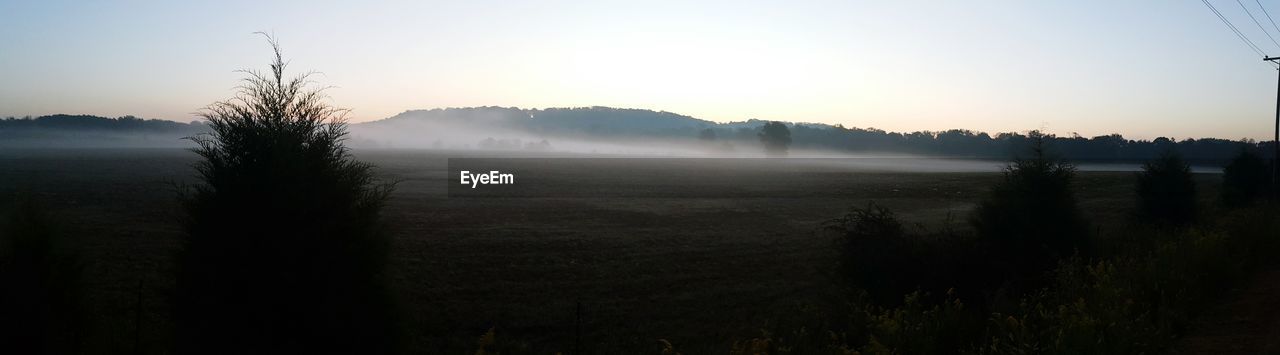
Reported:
(587, 129)
(84, 131)
(515, 128)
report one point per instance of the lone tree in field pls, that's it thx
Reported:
(283, 250)
(1030, 220)
(1166, 192)
(776, 138)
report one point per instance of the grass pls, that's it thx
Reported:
(698, 272)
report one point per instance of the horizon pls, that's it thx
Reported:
(992, 135)
(618, 177)
(1152, 69)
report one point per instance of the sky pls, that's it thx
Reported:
(1143, 69)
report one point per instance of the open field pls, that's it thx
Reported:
(695, 270)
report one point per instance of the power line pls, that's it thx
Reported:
(1255, 21)
(1246, 40)
(1229, 26)
(1264, 12)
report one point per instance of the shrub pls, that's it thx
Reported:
(1166, 192)
(917, 326)
(885, 259)
(1128, 305)
(40, 309)
(921, 327)
(1030, 219)
(1244, 179)
(877, 256)
(868, 237)
(284, 252)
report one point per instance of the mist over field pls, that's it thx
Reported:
(998, 177)
(613, 132)
(596, 130)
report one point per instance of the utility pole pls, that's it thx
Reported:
(1275, 138)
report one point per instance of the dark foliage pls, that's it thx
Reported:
(1031, 219)
(874, 250)
(707, 134)
(284, 251)
(967, 143)
(1246, 178)
(1166, 192)
(635, 123)
(886, 259)
(89, 122)
(776, 138)
(40, 305)
(85, 131)
(612, 123)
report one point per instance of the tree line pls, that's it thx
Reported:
(91, 122)
(961, 142)
(607, 122)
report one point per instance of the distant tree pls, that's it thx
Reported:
(707, 135)
(1166, 191)
(284, 252)
(776, 138)
(1244, 179)
(40, 285)
(488, 143)
(1031, 218)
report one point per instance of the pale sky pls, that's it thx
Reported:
(1140, 68)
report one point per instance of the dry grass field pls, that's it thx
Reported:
(698, 271)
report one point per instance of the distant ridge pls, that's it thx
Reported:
(615, 124)
(595, 120)
(592, 120)
(80, 131)
(511, 127)
(91, 122)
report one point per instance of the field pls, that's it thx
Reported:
(697, 270)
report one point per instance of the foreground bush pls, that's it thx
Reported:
(40, 308)
(284, 253)
(1245, 179)
(1166, 192)
(1031, 219)
(1141, 303)
(1138, 300)
(1129, 304)
(875, 253)
(883, 258)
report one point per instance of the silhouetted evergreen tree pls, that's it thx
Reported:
(1244, 179)
(284, 252)
(1166, 191)
(1031, 219)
